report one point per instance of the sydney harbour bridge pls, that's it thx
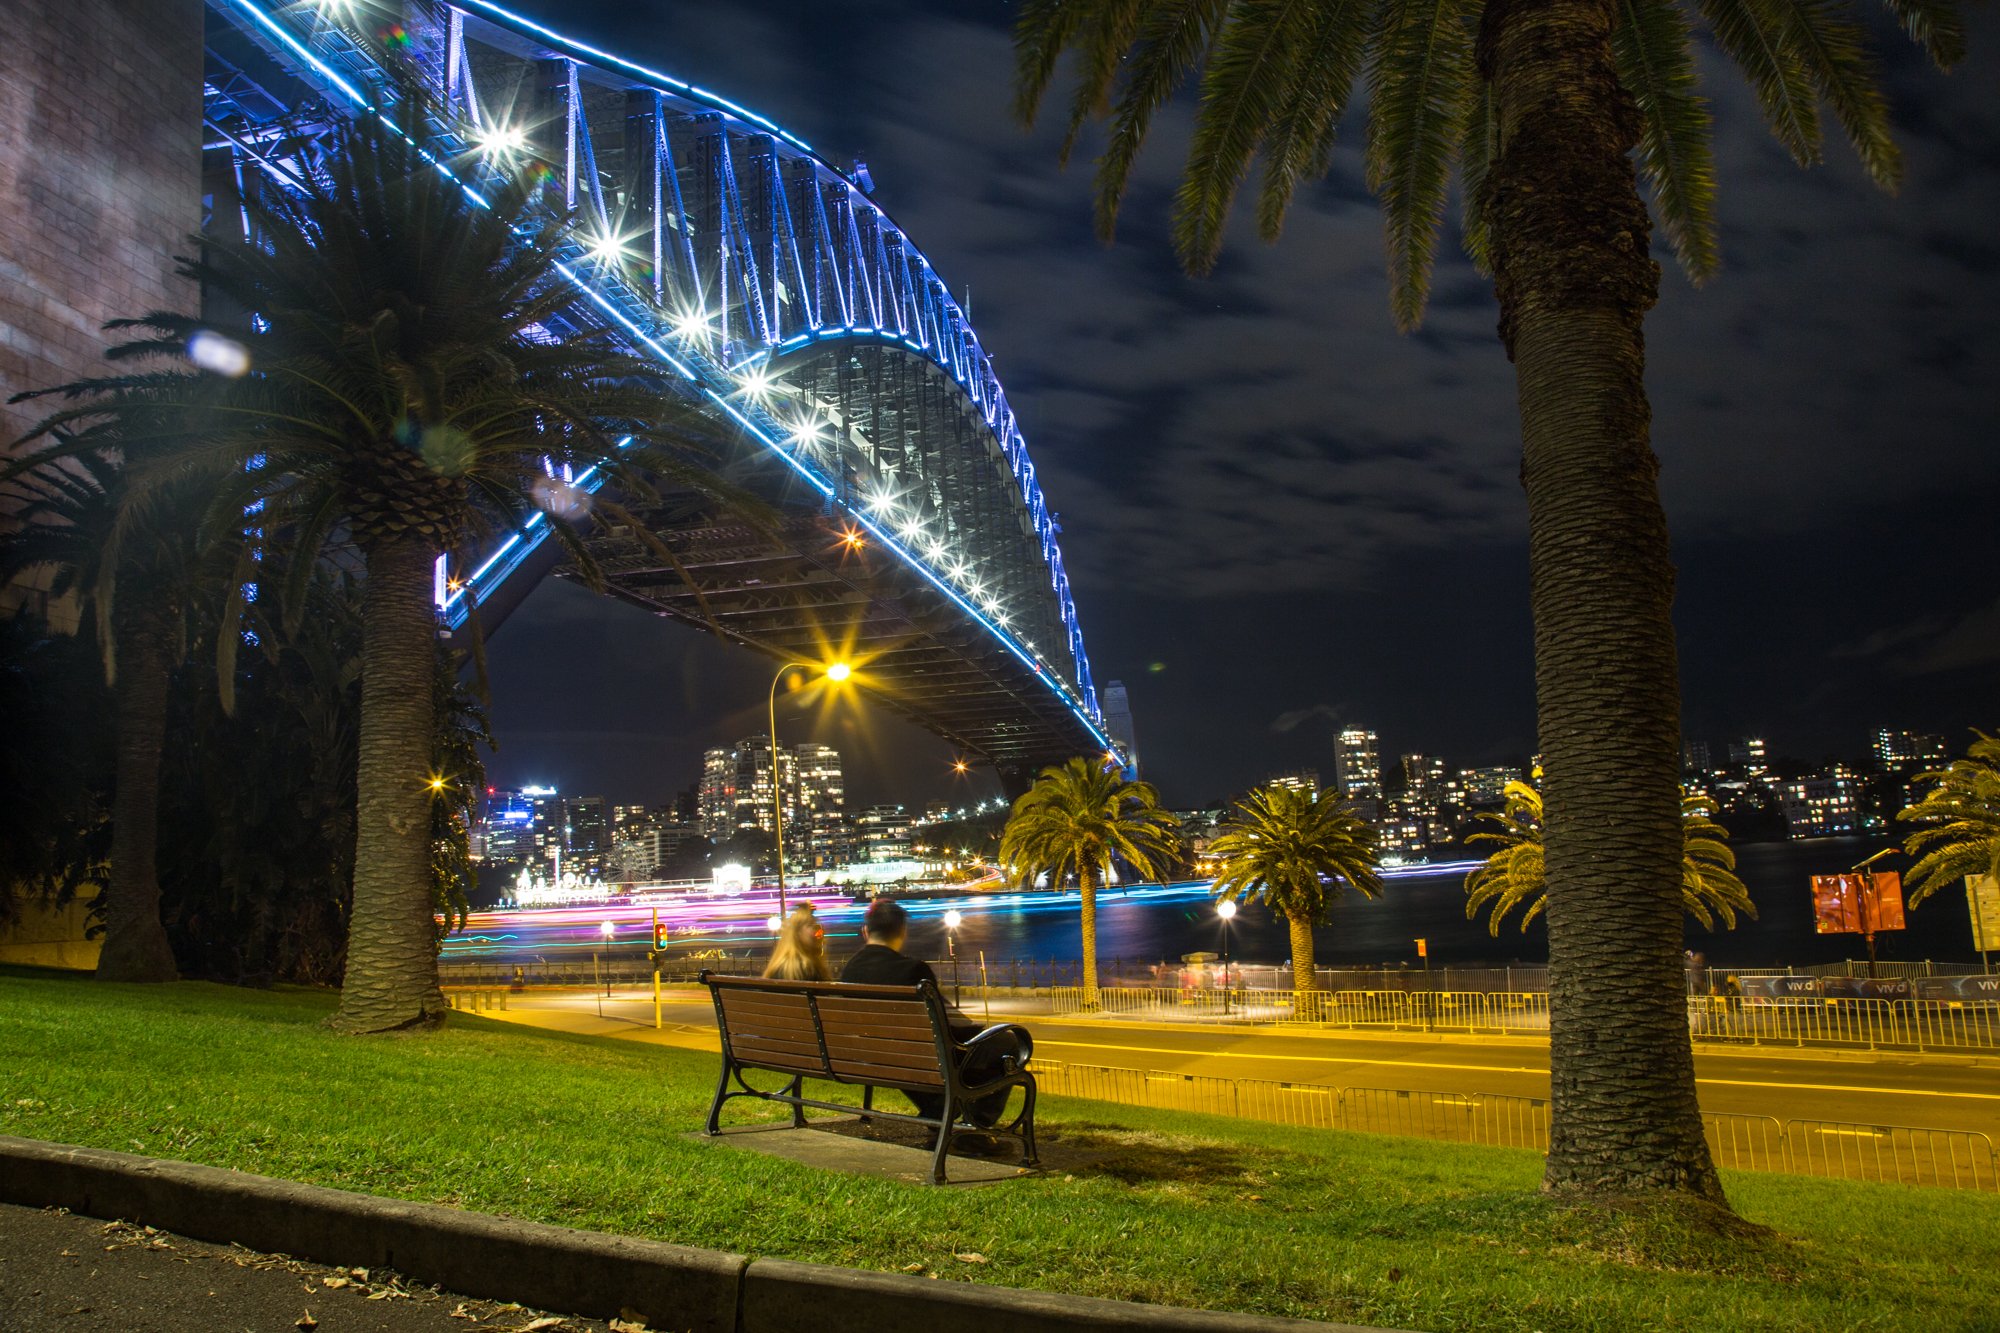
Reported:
(847, 387)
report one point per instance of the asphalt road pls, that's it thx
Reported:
(60, 1273)
(1874, 1088)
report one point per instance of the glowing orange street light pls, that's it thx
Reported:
(852, 539)
(834, 671)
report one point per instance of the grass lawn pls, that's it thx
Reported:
(1181, 1209)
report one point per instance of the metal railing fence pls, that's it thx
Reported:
(1891, 1154)
(1924, 1025)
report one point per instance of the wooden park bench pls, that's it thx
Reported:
(864, 1036)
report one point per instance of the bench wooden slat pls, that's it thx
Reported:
(873, 1008)
(747, 1043)
(903, 1057)
(888, 1076)
(886, 1030)
(795, 1007)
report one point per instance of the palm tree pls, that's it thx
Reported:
(1513, 875)
(405, 395)
(1075, 819)
(1961, 818)
(1297, 849)
(138, 594)
(1541, 108)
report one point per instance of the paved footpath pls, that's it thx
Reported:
(1875, 1088)
(60, 1273)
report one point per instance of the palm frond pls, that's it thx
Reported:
(1756, 40)
(1478, 149)
(1108, 29)
(1298, 146)
(1042, 33)
(1654, 53)
(1834, 53)
(1938, 26)
(1420, 93)
(1170, 44)
(1243, 91)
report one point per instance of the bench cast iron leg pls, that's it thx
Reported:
(1029, 1157)
(944, 1140)
(867, 1101)
(721, 1096)
(794, 1091)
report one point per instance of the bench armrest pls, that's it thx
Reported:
(1012, 1061)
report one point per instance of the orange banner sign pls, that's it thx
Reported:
(1857, 904)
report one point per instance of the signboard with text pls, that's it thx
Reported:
(1857, 904)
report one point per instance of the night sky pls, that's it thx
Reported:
(1281, 517)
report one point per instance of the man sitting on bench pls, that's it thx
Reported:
(881, 962)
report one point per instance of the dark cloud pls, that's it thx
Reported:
(1261, 481)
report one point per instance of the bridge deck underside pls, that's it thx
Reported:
(798, 591)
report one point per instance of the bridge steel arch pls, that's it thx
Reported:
(847, 385)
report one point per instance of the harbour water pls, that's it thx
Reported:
(1158, 923)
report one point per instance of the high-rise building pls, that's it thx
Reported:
(819, 825)
(547, 828)
(1357, 767)
(629, 821)
(1118, 721)
(1823, 806)
(1423, 776)
(507, 828)
(738, 789)
(1484, 786)
(1299, 779)
(586, 835)
(883, 833)
(715, 808)
(1896, 751)
(1750, 754)
(1695, 757)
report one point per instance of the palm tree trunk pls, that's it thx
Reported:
(135, 943)
(1086, 878)
(392, 978)
(1304, 978)
(1575, 279)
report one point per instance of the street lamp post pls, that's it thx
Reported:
(837, 672)
(951, 922)
(607, 930)
(1226, 910)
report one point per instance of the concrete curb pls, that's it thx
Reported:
(558, 1268)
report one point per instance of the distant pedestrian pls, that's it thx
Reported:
(800, 953)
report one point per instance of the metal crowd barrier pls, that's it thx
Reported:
(1944, 1025)
(1889, 1154)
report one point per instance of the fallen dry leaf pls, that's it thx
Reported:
(972, 1257)
(627, 1326)
(462, 1313)
(306, 1322)
(546, 1321)
(333, 1281)
(913, 1268)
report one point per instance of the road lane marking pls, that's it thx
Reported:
(1509, 1069)
(1842, 1087)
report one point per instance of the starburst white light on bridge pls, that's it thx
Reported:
(503, 142)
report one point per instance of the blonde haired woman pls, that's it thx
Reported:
(800, 953)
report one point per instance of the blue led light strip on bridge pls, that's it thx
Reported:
(508, 556)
